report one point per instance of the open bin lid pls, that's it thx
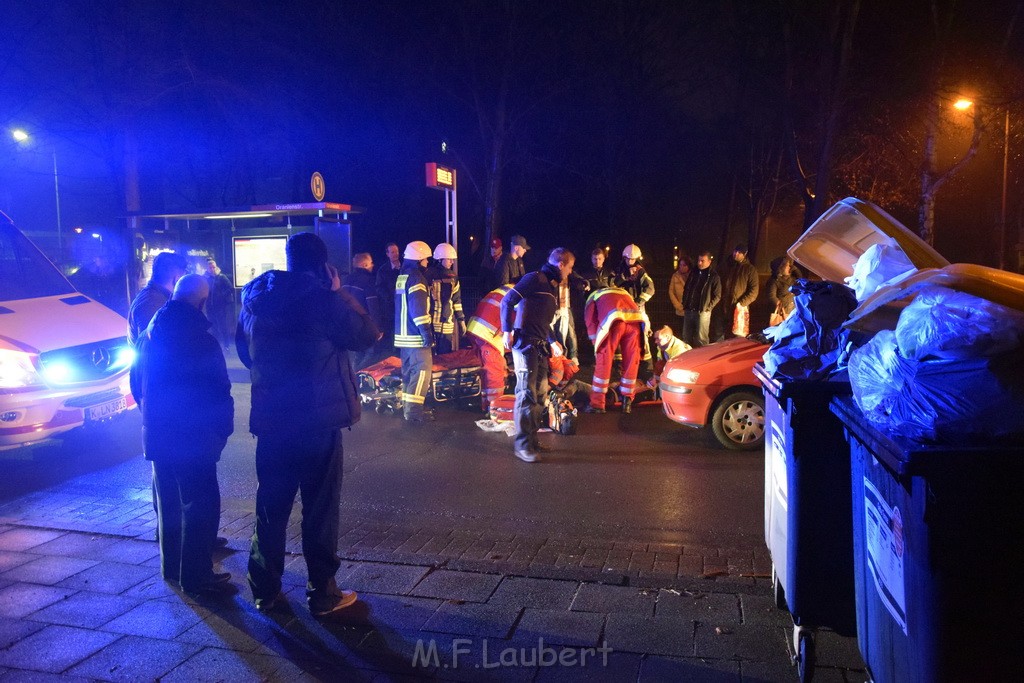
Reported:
(881, 310)
(834, 242)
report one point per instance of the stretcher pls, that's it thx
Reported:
(454, 376)
(562, 415)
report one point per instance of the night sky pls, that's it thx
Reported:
(654, 122)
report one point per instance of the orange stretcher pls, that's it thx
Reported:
(454, 376)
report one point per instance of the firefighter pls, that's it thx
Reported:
(413, 334)
(447, 318)
(484, 329)
(614, 323)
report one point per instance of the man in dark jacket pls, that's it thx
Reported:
(168, 268)
(386, 276)
(220, 307)
(187, 416)
(701, 294)
(739, 290)
(526, 315)
(294, 334)
(510, 268)
(361, 284)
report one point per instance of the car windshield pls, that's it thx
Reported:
(24, 272)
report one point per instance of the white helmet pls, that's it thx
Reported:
(417, 251)
(632, 251)
(445, 250)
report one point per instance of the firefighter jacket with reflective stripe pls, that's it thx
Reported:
(485, 324)
(412, 308)
(640, 286)
(445, 299)
(604, 307)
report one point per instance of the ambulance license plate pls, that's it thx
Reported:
(104, 410)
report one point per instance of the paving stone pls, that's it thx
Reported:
(541, 593)
(390, 611)
(48, 570)
(631, 633)
(760, 610)
(13, 630)
(473, 619)
(745, 642)
(21, 599)
(405, 652)
(239, 627)
(19, 539)
(457, 586)
(385, 578)
(835, 650)
(55, 648)
(151, 588)
(481, 659)
(592, 597)
(560, 627)
(10, 559)
(712, 608)
(591, 666)
(129, 551)
(214, 664)
(692, 670)
(84, 609)
(26, 676)
(157, 619)
(75, 545)
(135, 659)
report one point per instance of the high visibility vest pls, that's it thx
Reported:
(412, 311)
(604, 307)
(486, 321)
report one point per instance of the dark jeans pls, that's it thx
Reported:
(188, 513)
(531, 395)
(287, 463)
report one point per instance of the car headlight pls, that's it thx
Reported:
(681, 376)
(125, 357)
(17, 370)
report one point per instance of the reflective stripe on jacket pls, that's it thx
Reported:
(604, 307)
(412, 308)
(486, 321)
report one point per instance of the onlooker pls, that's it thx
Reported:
(526, 315)
(387, 275)
(446, 315)
(414, 335)
(563, 326)
(361, 285)
(702, 292)
(101, 280)
(182, 365)
(598, 275)
(294, 334)
(677, 283)
(489, 266)
(616, 326)
(782, 300)
(739, 291)
(484, 329)
(220, 307)
(510, 268)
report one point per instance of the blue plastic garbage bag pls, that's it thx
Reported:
(944, 400)
(811, 344)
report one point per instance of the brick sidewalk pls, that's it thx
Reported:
(81, 595)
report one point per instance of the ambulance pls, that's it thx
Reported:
(64, 358)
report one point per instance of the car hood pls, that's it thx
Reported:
(731, 351)
(56, 322)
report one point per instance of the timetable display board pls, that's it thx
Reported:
(256, 255)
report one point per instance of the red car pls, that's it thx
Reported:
(715, 385)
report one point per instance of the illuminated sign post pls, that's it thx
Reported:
(443, 178)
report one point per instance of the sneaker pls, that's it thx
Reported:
(268, 604)
(627, 405)
(527, 456)
(593, 409)
(330, 601)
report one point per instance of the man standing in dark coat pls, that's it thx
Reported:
(526, 315)
(220, 307)
(361, 284)
(187, 416)
(294, 334)
(510, 268)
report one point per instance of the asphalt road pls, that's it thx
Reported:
(640, 474)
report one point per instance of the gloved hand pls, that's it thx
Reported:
(462, 328)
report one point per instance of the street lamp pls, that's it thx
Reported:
(22, 137)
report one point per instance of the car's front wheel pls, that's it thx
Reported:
(738, 421)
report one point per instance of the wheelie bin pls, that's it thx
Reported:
(936, 546)
(807, 509)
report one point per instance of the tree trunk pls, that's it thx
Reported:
(926, 204)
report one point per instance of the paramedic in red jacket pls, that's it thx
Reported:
(484, 329)
(614, 323)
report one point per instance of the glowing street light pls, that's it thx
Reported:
(962, 104)
(23, 137)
